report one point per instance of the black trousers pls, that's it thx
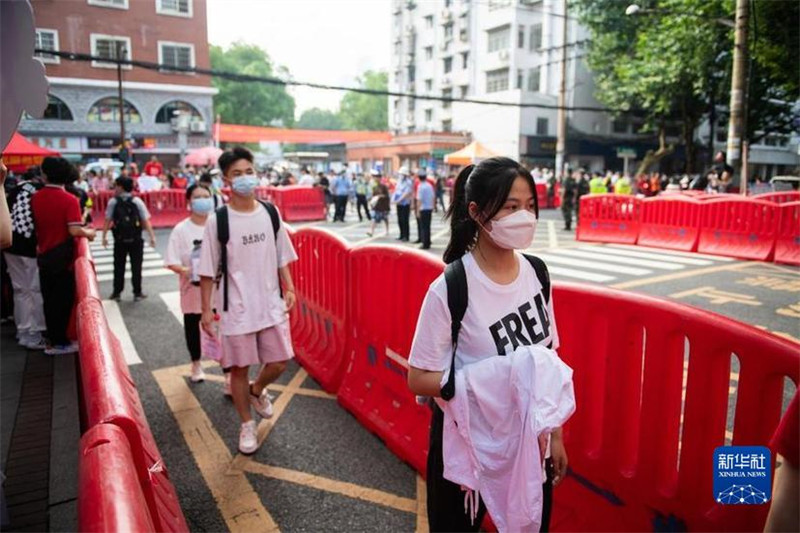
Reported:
(361, 201)
(403, 214)
(341, 207)
(58, 296)
(191, 329)
(446, 499)
(566, 211)
(122, 250)
(425, 227)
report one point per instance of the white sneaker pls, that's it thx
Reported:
(61, 349)
(248, 442)
(226, 389)
(33, 341)
(261, 403)
(197, 372)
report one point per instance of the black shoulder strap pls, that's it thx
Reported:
(273, 215)
(223, 235)
(455, 278)
(541, 273)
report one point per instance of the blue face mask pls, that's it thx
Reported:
(202, 206)
(244, 185)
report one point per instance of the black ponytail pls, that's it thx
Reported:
(488, 185)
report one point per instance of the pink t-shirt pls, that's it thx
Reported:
(254, 256)
(179, 253)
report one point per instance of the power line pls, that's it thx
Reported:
(232, 76)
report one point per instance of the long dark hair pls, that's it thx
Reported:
(488, 185)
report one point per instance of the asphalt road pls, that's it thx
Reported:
(317, 468)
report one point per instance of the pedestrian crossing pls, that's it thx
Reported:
(152, 264)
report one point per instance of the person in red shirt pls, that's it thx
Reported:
(154, 167)
(784, 515)
(57, 220)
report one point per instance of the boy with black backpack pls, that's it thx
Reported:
(128, 215)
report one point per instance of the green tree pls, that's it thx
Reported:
(253, 103)
(366, 111)
(320, 119)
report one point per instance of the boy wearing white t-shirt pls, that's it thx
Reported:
(254, 327)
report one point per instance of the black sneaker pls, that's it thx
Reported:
(138, 297)
(115, 297)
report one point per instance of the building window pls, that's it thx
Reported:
(178, 8)
(448, 31)
(448, 65)
(411, 105)
(541, 126)
(535, 40)
(429, 21)
(520, 77)
(499, 38)
(397, 104)
(178, 55)
(447, 93)
(428, 115)
(498, 4)
(497, 80)
(398, 48)
(47, 40)
(464, 59)
(169, 110)
(464, 91)
(107, 110)
(412, 74)
(56, 110)
(110, 47)
(428, 85)
(429, 52)
(533, 79)
(619, 125)
(447, 126)
(521, 37)
(117, 4)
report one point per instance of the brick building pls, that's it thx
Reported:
(82, 118)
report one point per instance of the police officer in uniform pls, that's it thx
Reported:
(568, 189)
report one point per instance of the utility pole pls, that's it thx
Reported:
(120, 55)
(561, 121)
(736, 126)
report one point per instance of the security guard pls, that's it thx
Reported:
(596, 185)
(623, 185)
(568, 190)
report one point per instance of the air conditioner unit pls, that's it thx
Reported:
(447, 82)
(409, 59)
(443, 46)
(503, 55)
(446, 16)
(198, 126)
(464, 35)
(409, 88)
(410, 120)
(410, 29)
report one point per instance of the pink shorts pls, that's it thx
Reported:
(270, 345)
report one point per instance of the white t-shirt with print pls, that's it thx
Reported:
(499, 318)
(254, 256)
(179, 253)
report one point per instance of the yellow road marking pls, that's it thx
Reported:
(280, 388)
(679, 275)
(422, 506)
(716, 296)
(240, 506)
(349, 490)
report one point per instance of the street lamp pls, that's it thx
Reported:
(736, 123)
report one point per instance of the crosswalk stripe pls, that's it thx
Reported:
(664, 251)
(109, 259)
(145, 274)
(173, 301)
(117, 325)
(145, 264)
(109, 252)
(600, 256)
(649, 255)
(579, 274)
(593, 265)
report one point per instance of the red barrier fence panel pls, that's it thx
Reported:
(387, 286)
(787, 243)
(609, 218)
(319, 318)
(110, 397)
(109, 495)
(264, 193)
(652, 387)
(743, 228)
(298, 203)
(167, 207)
(85, 280)
(99, 204)
(670, 222)
(781, 197)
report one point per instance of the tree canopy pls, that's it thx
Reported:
(365, 111)
(320, 119)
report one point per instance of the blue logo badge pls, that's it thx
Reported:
(742, 475)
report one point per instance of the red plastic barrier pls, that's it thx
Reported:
(783, 197)
(296, 202)
(110, 397)
(319, 318)
(787, 243)
(742, 227)
(85, 280)
(264, 193)
(670, 222)
(609, 218)
(167, 207)
(109, 495)
(636, 464)
(386, 289)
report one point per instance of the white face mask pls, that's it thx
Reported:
(514, 232)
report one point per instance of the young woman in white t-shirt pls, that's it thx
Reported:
(493, 213)
(184, 243)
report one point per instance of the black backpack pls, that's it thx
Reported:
(455, 276)
(127, 221)
(223, 236)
